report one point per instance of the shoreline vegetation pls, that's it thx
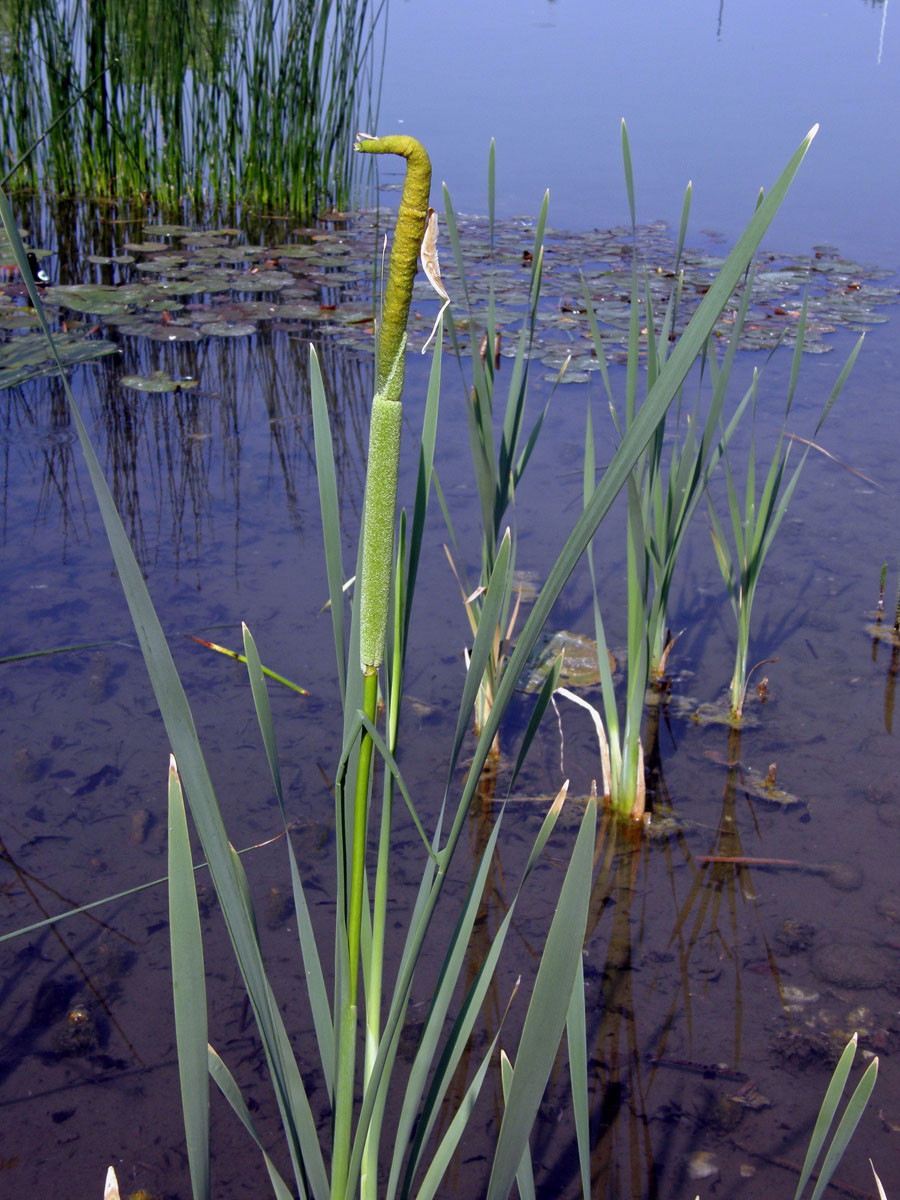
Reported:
(252, 104)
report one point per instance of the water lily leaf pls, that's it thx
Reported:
(297, 251)
(304, 310)
(97, 298)
(159, 381)
(107, 260)
(352, 314)
(580, 667)
(194, 285)
(162, 262)
(569, 377)
(146, 247)
(26, 356)
(23, 319)
(166, 333)
(169, 305)
(167, 230)
(222, 254)
(248, 310)
(224, 329)
(261, 281)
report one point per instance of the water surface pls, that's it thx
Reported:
(714, 1004)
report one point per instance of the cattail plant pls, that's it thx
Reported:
(333, 1149)
(663, 491)
(501, 448)
(755, 522)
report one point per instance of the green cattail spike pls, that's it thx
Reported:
(378, 515)
(387, 415)
(412, 216)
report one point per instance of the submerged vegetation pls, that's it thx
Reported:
(211, 104)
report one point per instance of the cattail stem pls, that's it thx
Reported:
(375, 584)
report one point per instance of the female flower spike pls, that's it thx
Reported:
(387, 414)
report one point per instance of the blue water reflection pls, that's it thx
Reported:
(717, 92)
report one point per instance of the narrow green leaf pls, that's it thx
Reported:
(576, 1034)
(856, 1106)
(525, 1173)
(226, 1084)
(546, 1017)
(188, 990)
(438, 1168)
(629, 173)
(483, 645)
(425, 476)
(827, 1111)
(457, 1039)
(492, 188)
(839, 385)
(312, 966)
(330, 508)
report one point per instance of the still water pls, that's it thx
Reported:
(716, 992)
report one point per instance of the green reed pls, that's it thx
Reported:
(214, 104)
(755, 520)
(499, 456)
(341, 1149)
(853, 1111)
(662, 494)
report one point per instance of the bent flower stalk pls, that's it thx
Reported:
(387, 412)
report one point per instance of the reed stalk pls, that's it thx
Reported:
(755, 521)
(663, 492)
(501, 444)
(254, 105)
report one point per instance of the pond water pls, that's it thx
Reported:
(717, 993)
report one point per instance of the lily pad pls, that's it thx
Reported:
(24, 319)
(161, 263)
(580, 667)
(195, 285)
(297, 251)
(27, 356)
(107, 260)
(222, 254)
(146, 247)
(97, 298)
(168, 230)
(325, 276)
(159, 381)
(166, 333)
(261, 281)
(224, 329)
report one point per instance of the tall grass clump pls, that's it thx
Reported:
(378, 1129)
(754, 519)
(662, 493)
(499, 455)
(213, 104)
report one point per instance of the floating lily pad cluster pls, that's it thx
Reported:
(842, 294)
(175, 283)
